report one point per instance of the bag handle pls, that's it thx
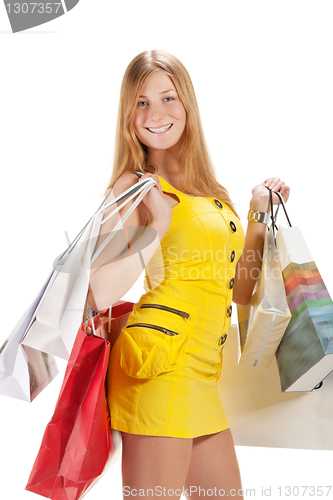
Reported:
(284, 207)
(101, 207)
(146, 185)
(274, 216)
(142, 188)
(131, 192)
(77, 237)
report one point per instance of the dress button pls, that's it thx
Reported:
(218, 203)
(232, 226)
(223, 339)
(232, 256)
(229, 311)
(231, 283)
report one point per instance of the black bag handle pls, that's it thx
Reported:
(284, 207)
(274, 216)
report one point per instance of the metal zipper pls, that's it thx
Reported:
(166, 308)
(154, 327)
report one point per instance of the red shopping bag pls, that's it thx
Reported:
(77, 442)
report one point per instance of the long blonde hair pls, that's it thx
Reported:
(131, 155)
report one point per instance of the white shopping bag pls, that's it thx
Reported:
(264, 320)
(60, 313)
(260, 414)
(49, 325)
(25, 372)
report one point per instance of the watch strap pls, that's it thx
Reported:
(255, 216)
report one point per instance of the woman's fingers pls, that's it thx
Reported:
(285, 192)
(273, 183)
(277, 185)
(155, 177)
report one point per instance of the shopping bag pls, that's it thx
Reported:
(59, 313)
(61, 310)
(259, 414)
(48, 324)
(78, 446)
(262, 323)
(80, 421)
(24, 371)
(25, 368)
(305, 354)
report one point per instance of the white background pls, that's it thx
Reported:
(263, 75)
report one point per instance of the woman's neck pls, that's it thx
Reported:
(167, 164)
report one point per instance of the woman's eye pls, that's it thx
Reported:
(142, 104)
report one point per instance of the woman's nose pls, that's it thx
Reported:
(156, 112)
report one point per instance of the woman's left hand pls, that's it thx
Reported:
(260, 194)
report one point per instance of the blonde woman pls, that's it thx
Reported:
(164, 366)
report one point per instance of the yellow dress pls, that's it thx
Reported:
(164, 366)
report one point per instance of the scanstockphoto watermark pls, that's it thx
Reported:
(162, 491)
(176, 263)
(294, 491)
(176, 254)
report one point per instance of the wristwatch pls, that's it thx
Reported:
(258, 216)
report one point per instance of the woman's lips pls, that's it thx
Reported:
(159, 130)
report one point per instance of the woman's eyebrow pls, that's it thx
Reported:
(164, 92)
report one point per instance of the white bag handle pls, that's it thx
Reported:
(102, 207)
(143, 189)
(132, 191)
(77, 237)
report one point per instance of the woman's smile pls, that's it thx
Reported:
(162, 130)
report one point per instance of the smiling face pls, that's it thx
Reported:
(160, 117)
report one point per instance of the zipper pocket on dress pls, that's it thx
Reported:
(154, 327)
(166, 308)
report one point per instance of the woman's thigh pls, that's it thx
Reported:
(213, 467)
(154, 463)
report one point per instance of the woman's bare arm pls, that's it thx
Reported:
(249, 265)
(122, 261)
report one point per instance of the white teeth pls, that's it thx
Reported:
(159, 130)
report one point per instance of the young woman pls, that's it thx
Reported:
(165, 364)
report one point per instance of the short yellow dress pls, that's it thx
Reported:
(164, 366)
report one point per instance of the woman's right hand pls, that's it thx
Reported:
(156, 202)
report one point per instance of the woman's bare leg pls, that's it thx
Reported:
(157, 463)
(213, 467)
